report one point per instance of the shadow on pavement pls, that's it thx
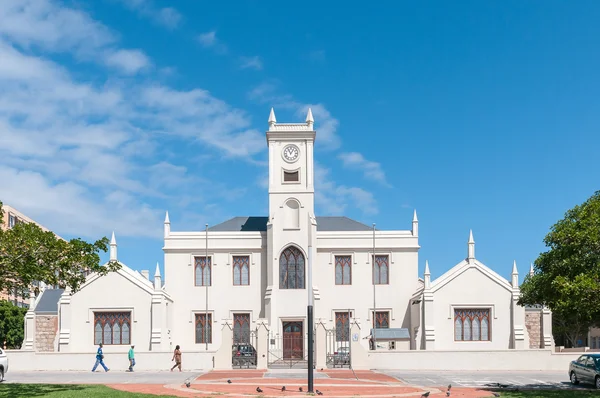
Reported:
(35, 390)
(559, 390)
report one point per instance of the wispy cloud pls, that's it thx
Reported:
(251, 63)
(317, 55)
(128, 61)
(167, 16)
(210, 40)
(334, 199)
(371, 170)
(88, 145)
(327, 125)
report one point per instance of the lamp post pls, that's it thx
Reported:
(374, 302)
(309, 316)
(206, 288)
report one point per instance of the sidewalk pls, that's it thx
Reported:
(332, 383)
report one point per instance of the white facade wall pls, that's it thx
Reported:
(473, 289)
(224, 299)
(402, 249)
(119, 292)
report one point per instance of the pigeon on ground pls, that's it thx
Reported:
(425, 395)
(187, 384)
(228, 381)
(283, 388)
(449, 387)
(318, 392)
(300, 389)
(258, 389)
(448, 393)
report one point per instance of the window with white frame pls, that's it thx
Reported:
(472, 324)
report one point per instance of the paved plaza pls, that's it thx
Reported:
(333, 383)
(518, 379)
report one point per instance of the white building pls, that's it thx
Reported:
(253, 271)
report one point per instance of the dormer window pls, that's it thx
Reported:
(291, 176)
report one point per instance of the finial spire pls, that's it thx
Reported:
(272, 119)
(167, 226)
(515, 275)
(427, 278)
(427, 268)
(309, 117)
(113, 247)
(415, 224)
(531, 269)
(471, 244)
(157, 283)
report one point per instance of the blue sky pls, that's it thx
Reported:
(481, 115)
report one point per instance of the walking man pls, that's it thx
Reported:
(131, 359)
(100, 359)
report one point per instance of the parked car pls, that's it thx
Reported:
(586, 369)
(3, 364)
(243, 355)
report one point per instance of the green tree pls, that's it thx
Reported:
(12, 324)
(567, 276)
(28, 255)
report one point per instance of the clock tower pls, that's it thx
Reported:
(291, 229)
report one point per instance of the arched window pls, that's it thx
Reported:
(112, 328)
(98, 334)
(291, 214)
(291, 269)
(472, 324)
(458, 329)
(116, 337)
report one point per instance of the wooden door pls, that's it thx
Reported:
(293, 341)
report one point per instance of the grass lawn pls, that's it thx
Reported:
(65, 391)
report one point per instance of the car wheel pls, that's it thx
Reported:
(597, 382)
(574, 378)
(1, 375)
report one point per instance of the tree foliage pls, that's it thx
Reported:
(12, 324)
(567, 276)
(28, 254)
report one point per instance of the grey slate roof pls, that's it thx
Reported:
(258, 224)
(391, 334)
(48, 303)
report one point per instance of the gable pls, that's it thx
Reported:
(480, 273)
(124, 277)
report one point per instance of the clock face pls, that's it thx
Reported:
(290, 153)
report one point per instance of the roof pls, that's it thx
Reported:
(391, 333)
(259, 224)
(48, 303)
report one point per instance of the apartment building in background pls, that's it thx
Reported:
(12, 217)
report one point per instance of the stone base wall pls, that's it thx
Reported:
(533, 322)
(46, 327)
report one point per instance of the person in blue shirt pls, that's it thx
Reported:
(100, 359)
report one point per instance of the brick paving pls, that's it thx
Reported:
(332, 383)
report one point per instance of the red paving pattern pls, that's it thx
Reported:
(337, 383)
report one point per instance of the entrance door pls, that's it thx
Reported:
(293, 340)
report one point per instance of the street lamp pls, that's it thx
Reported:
(206, 288)
(374, 306)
